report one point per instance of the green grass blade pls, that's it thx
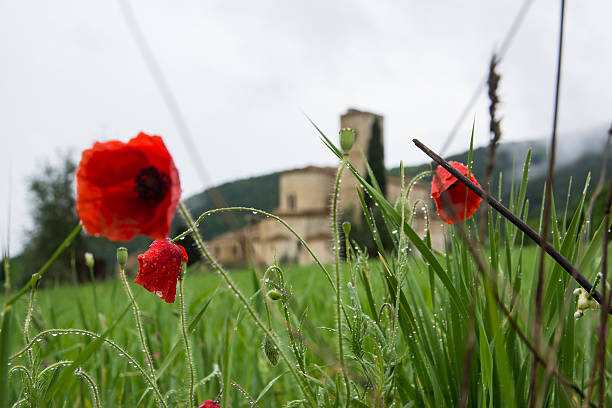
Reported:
(6, 336)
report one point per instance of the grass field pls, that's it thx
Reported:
(415, 327)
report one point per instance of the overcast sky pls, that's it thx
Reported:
(243, 72)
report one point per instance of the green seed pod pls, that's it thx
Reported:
(270, 351)
(274, 294)
(89, 259)
(347, 138)
(346, 227)
(122, 256)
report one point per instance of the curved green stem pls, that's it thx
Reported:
(336, 247)
(187, 344)
(28, 321)
(298, 355)
(230, 283)
(141, 337)
(47, 264)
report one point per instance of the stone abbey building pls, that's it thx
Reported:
(305, 204)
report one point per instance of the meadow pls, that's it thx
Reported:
(458, 330)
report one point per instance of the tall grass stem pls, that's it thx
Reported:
(185, 334)
(136, 310)
(336, 247)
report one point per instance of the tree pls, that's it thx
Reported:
(53, 218)
(376, 157)
(376, 160)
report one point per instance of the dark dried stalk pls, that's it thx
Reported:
(603, 324)
(520, 224)
(495, 129)
(600, 355)
(495, 123)
(533, 386)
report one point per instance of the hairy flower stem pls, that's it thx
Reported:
(141, 337)
(187, 344)
(232, 286)
(28, 321)
(400, 257)
(290, 331)
(336, 247)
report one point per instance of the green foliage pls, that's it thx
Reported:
(53, 217)
(376, 158)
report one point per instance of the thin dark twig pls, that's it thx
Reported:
(494, 122)
(603, 320)
(599, 362)
(603, 323)
(520, 224)
(533, 387)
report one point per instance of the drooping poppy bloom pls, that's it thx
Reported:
(449, 194)
(125, 189)
(209, 404)
(160, 267)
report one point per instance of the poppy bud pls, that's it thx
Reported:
(347, 138)
(346, 227)
(89, 259)
(274, 294)
(270, 351)
(122, 256)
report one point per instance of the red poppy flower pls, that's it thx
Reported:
(160, 267)
(209, 404)
(125, 189)
(449, 194)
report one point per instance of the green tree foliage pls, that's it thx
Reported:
(376, 160)
(376, 157)
(53, 217)
(52, 198)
